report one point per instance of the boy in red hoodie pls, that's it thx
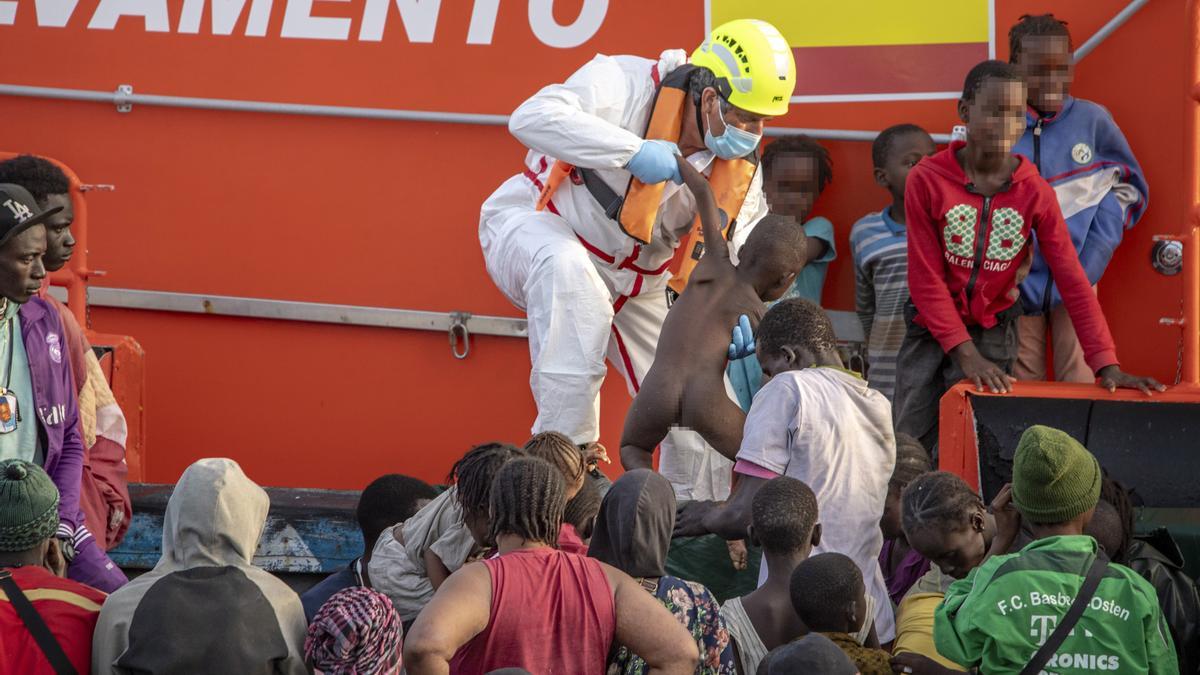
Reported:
(971, 211)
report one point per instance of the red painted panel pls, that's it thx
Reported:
(912, 68)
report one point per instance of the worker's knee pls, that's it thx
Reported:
(566, 270)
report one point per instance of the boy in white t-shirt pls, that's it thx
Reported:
(819, 423)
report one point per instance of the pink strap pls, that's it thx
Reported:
(748, 468)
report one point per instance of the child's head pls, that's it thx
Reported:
(1055, 480)
(562, 455)
(633, 530)
(389, 500)
(1108, 531)
(813, 653)
(793, 335)
(796, 170)
(829, 595)
(993, 107)
(773, 255)
(473, 475)
(1112, 524)
(945, 521)
(911, 461)
(582, 509)
(783, 518)
(896, 150)
(1040, 47)
(527, 500)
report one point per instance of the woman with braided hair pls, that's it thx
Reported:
(536, 607)
(582, 511)
(568, 459)
(413, 558)
(945, 521)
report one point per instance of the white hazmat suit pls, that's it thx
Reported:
(589, 290)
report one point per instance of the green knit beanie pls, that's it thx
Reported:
(1054, 477)
(28, 505)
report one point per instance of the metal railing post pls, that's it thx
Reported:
(1109, 28)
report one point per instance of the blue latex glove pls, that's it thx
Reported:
(743, 340)
(655, 163)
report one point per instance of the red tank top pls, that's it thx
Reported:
(552, 612)
(569, 541)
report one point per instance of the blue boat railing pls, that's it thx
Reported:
(307, 531)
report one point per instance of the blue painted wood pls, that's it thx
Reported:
(307, 531)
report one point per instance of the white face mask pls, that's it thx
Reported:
(731, 144)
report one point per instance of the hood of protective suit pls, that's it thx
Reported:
(633, 530)
(215, 517)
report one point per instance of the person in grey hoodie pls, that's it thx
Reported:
(205, 608)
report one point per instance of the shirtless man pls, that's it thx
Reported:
(685, 385)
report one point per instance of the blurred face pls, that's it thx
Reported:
(1046, 64)
(996, 117)
(59, 242)
(792, 186)
(890, 522)
(956, 552)
(904, 154)
(21, 268)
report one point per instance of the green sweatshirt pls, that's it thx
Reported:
(1005, 609)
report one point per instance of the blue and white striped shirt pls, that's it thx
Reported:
(880, 249)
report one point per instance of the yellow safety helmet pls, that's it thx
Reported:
(753, 63)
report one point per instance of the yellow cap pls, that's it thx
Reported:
(753, 63)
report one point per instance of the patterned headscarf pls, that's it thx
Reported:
(356, 632)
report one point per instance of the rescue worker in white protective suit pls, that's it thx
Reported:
(589, 289)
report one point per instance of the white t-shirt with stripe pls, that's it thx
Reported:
(826, 427)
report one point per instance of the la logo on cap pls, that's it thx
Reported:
(19, 210)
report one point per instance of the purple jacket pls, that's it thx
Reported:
(58, 430)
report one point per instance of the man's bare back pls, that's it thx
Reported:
(686, 383)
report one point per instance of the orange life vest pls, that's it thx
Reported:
(730, 181)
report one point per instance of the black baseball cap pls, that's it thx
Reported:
(19, 211)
